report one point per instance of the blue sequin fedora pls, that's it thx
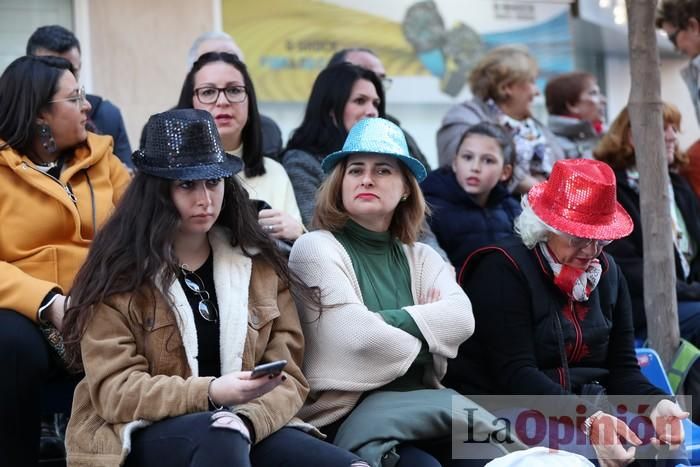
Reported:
(184, 144)
(376, 136)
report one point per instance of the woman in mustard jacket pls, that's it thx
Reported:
(58, 183)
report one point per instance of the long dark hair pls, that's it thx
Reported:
(26, 87)
(251, 136)
(322, 130)
(134, 251)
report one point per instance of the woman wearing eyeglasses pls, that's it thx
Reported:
(58, 184)
(554, 318)
(220, 84)
(181, 296)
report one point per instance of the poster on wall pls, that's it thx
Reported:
(428, 47)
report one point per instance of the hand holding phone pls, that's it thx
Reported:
(272, 368)
(260, 204)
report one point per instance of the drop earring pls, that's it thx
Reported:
(46, 138)
(404, 198)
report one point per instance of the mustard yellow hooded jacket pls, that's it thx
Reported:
(47, 224)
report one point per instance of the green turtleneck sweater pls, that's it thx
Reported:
(384, 278)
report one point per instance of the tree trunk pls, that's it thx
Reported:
(646, 117)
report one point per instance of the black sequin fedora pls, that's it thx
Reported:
(184, 144)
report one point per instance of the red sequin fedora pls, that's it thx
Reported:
(579, 199)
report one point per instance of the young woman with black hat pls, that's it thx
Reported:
(182, 294)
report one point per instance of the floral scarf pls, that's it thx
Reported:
(531, 145)
(575, 283)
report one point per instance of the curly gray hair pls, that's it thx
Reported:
(531, 229)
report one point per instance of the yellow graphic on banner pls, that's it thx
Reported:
(287, 42)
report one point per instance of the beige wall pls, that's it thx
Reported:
(138, 53)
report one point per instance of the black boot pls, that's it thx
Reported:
(52, 450)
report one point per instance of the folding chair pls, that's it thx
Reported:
(652, 367)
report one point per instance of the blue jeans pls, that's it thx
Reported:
(435, 453)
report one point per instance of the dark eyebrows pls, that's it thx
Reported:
(376, 164)
(472, 153)
(227, 85)
(366, 96)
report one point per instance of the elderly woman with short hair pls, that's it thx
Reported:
(554, 313)
(503, 84)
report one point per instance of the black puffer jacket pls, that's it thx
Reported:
(459, 223)
(515, 348)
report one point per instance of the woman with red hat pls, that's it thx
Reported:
(554, 318)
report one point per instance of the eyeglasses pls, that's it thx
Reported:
(210, 94)
(79, 98)
(583, 243)
(206, 307)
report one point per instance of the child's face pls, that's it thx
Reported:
(479, 166)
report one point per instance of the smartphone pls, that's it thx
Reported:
(260, 204)
(272, 368)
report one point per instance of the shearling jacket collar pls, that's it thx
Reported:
(231, 268)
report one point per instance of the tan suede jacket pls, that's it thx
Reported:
(138, 359)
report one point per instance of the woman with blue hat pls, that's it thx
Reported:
(182, 294)
(342, 95)
(391, 312)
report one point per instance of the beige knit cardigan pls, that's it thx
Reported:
(349, 348)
